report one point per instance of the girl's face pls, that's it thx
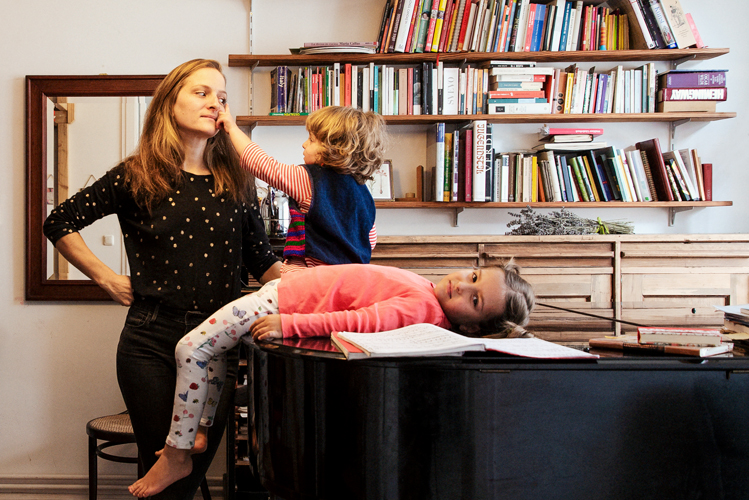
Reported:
(198, 103)
(471, 296)
(312, 150)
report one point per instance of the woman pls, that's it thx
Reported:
(189, 221)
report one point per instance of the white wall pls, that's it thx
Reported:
(57, 362)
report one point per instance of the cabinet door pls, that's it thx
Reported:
(573, 275)
(678, 283)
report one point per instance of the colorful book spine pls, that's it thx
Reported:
(665, 29)
(692, 79)
(479, 160)
(693, 94)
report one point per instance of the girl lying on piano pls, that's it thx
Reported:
(313, 303)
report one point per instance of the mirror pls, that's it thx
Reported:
(55, 168)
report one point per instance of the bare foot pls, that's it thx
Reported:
(173, 464)
(201, 442)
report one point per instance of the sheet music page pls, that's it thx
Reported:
(534, 348)
(417, 338)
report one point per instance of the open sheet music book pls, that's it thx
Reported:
(429, 340)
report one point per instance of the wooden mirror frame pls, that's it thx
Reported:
(38, 90)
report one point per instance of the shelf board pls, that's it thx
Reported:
(555, 204)
(253, 60)
(277, 121)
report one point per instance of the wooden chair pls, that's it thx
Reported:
(114, 430)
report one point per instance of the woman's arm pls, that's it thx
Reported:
(75, 250)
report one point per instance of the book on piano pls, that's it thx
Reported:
(430, 340)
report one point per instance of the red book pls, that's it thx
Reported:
(529, 27)
(571, 131)
(449, 12)
(468, 161)
(464, 25)
(500, 94)
(347, 80)
(432, 23)
(414, 22)
(652, 150)
(693, 94)
(707, 179)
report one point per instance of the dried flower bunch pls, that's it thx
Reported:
(529, 222)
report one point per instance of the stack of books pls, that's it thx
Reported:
(691, 90)
(681, 341)
(568, 139)
(736, 325)
(519, 88)
(336, 48)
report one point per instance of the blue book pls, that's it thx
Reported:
(601, 180)
(565, 26)
(538, 27)
(567, 179)
(376, 85)
(518, 100)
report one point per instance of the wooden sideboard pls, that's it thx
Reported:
(665, 280)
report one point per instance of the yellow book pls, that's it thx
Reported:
(534, 180)
(592, 179)
(568, 92)
(438, 26)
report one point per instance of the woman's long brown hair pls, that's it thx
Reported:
(155, 168)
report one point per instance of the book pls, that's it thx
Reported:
(692, 78)
(663, 26)
(479, 160)
(686, 106)
(734, 326)
(519, 108)
(639, 33)
(693, 94)
(628, 343)
(707, 180)
(569, 146)
(278, 81)
(435, 152)
(652, 150)
(425, 339)
(677, 21)
(548, 131)
(679, 336)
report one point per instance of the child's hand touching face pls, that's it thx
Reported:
(225, 120)
(267, 327)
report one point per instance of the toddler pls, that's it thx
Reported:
(315, 302)
(332, 211)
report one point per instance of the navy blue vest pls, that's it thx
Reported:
(336, 228)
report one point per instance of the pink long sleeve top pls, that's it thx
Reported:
(355, 298)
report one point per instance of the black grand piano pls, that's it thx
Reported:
(488, 426)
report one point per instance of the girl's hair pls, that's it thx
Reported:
(155, 168)
(519, 302)
(353, 140)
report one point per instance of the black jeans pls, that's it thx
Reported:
(147, 371)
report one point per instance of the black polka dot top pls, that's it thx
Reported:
(188, 252)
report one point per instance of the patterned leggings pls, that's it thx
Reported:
(201, 362)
